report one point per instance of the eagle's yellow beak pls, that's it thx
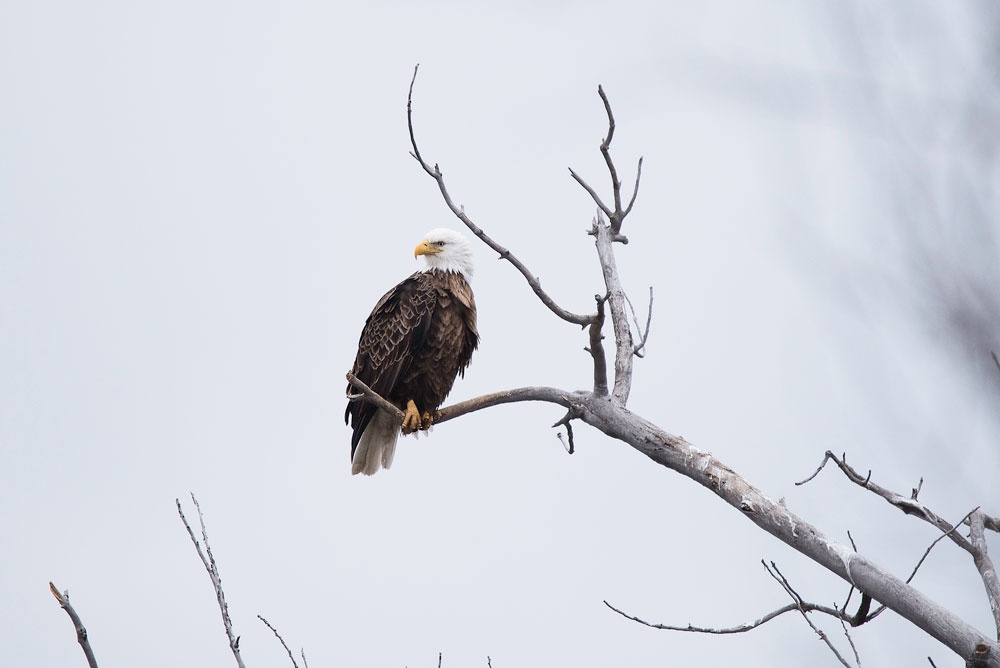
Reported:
(424, 248)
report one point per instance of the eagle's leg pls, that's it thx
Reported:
(427, 419)
(411, 419)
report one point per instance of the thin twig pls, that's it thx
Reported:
(739, 628)
(281, 640)
(857, 659)
(638, 348)
(213, 573)
(81, 631)
(800, 605)
(593, 194)
(913, 574)
(635, 191)
(437, 175)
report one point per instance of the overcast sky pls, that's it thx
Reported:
(201, 202)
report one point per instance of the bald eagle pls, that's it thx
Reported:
(418, 338)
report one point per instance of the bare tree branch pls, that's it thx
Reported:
(985, 566)
(435, 173)
(545, 394)
(213, 573)
(282, 640)
(81, 631)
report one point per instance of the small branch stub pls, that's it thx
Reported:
(81, 631)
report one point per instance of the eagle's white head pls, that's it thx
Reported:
(446, 250)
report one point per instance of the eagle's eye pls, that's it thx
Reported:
(439, 244)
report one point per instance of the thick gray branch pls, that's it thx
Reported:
(624, 346)
(985, 566)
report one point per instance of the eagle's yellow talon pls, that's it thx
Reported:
(427, 420)
(411, 420)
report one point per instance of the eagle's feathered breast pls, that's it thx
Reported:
(418, 338)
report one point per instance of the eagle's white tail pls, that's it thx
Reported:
(377, 445)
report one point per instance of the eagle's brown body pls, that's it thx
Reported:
(418, 338)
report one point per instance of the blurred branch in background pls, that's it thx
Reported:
(914, 89)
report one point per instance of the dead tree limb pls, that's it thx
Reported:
(81, 630)
(608, 415)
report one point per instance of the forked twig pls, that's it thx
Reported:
(906, 504)
(213, 572)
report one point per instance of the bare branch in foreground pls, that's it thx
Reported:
(985, 566)
(367, 393)
(81, 631)
(213, 573)
(436, 174)
(282, 641)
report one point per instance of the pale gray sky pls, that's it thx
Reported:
(200, 203)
